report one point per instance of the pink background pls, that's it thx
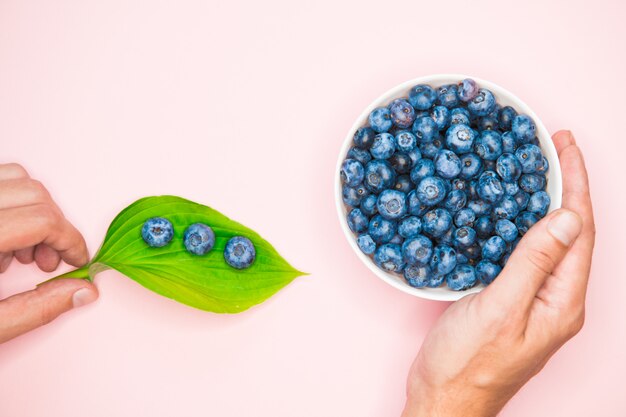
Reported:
(243, 106)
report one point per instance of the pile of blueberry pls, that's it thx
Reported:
(199, 239)
(443, 183)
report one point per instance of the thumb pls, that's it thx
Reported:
(538, 253)
(29, 310)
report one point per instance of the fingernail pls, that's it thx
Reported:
(571, 136)
(83, 296)
(565, 227)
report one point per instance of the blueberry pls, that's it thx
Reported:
(401, 163)
(415, 206)
(545, 166)
(405, 141)
(508, 167)
(506, 229)
(472, 253)
(464, 237)
(510, 188)
(487, 271)
(447, 164)
(402, 113)
(368, 205)
(447, 95)
(484, 227)
(389, 258)
(352, 196)
(505, 117)
(436, 222)
(357, 221)
(431, 190)
(530, 158)
(410, 227)
(459, 184)
(504, 259)
(417, 276)
(430, 149)
(380, 119)
(443, 260)
(523, 128)
(361, 155)
(467, 90)
(471, 164)
(441, 116)
(384, 146)
(364, 137)
(525, 220)
(447, 238)
(506, 208)
(435, 281)
(403, 183)
(471, 189)
(379, 175)
(531, 183)
(397, 240)
(417, 251)
(391, 204)
(455, 200)
(366, 243)
(488, 122)
(461, 278)
(489, 188)
(424, 129)
(461, 259)
(459, 116)
(464, 217)
(522, 198)
(494, 248)
(239, 252)
(381, 229)
(352, 172)
(422, 169)
(539, 203)
(157, 232)
(482, 104)
(479, 207)
(422, 97)
(199, 239)
(508, 143)
(488, 145)
(460, 138)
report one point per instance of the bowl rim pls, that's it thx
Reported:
(400, 90)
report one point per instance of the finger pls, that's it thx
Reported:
(28, 226)
(5, 260)
(25, 256)
(535, 258)
(12, 171)
(22, 192)
(27, 311)
(47, 259)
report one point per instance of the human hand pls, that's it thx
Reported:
(33, 228)
(486, 346)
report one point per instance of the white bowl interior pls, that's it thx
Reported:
(504, 98)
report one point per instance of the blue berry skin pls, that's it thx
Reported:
(455, 201)
(443, 260)
(471, 189)
(539, 203)
(505, 117)
(507, 208)
(507, 230)
(352, 172)
(488, 145)
(381, 229)
(460, 138)
(489, 122)
(461, 259)
(402, 113)
(430, 149)
(368, 205)
(487, 271)
(380, 119)
(459, 184)
(417, 251)
(415, 206)
(239, 252)
(489, 188)
(523, 128)
(494, 248)
(352, 196)
(391, 204)
(361, 155)
(379, 175)
(483, 104)
(422, 97)
(417, 276)
(404, 184)
(461, 278)
(425, 129)
(401, 163)
(416, 155)
(447, 164)
(467, 90)
(508, 143)
(431, 190)
(464, 237)
(484, 227)
(357, 221)
(504, 259)
(531, 183)
(405, 141)
(479, 207)
(436, 222)
(410, 227)
(447, 238)
(389, 258)
(198, 239)
(364, 137)
(384, 146)
(525, 220)
(435, 281)
(510, 188)
(530, 158)
(441, 116)
(508, 167)
(366, 244)
(471, 165)
(472, 252)
(447, 95)
(157, 232)
(397, 240)
(545, 166)
(464, 217)
(522, 198)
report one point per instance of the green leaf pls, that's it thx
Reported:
(205, 282)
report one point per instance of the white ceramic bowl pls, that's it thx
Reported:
(504, 98)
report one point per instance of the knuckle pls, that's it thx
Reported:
(46, 314)
(541, 260)
(38, 190)
(16, 170)
(47, 215)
